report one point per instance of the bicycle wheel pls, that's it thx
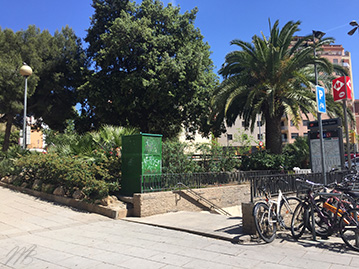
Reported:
(286, 210)
(349, 228)
(323, 219)
(299, 220)
(265, 225)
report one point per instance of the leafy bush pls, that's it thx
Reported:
(177, 158)
(14, 138)
(294, 155)
(216, 158)
(298, 153)
(262, 160)
(71, 173)
(7, 159)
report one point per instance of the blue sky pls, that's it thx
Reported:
(220, 21)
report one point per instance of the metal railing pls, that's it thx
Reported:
(200, 199)
(272, 180)
(287, 183)
(163, 182)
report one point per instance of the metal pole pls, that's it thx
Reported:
(260, 123)
(346, 125)
(24, 125)
(320, 120)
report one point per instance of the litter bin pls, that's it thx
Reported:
(141, 155)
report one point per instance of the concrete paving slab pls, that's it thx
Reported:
(86, 240)
(212, 225)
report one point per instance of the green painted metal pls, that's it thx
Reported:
(141, 155)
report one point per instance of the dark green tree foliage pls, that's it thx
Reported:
(297, 153)
(62, 72)
(14, 49)
(152, 68)
(58, 64)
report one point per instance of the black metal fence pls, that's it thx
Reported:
(162, 182)
(287, 183)
(271, 180)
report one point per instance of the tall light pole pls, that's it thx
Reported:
(351, 32)
(25, 71)
(319, 35)
(355, 25)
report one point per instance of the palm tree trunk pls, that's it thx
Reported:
(9, 120)
(273, 134)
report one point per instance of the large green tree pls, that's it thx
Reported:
(57, 62)
(14, 49)
(151, 69)
(272, 77)
(63, 69)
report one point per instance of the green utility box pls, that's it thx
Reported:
(141, 155)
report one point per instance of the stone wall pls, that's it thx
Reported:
(147, 204)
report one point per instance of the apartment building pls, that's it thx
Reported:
(336, 55)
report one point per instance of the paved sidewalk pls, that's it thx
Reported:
(39, 234)
(201, 223)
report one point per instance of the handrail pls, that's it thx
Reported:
(200, 197)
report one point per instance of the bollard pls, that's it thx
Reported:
(248, 219)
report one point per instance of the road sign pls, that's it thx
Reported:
(260, 143)
(342, 88)
(327, 124)
(320, 93)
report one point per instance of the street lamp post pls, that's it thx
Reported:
(25, 71)
(319, 35)
(351, 32)
(355, 25)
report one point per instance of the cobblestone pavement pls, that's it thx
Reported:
(40, 234)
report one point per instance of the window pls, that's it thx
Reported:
(335, 61)
(305, 134)
(294, 135)
(243, 124)
(260, 137)
(229, 137)
(291, 123)
(284, 137)
(259, 123)
(305, 122)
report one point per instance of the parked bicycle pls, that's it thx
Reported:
(271, 213)
(325, 213)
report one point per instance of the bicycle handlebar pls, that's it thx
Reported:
(302, 180)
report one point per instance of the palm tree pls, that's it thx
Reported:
(111, 136)
(272, 77)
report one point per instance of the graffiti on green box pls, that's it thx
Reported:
(151, 164)
(152, 146)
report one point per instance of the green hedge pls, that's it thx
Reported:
(94, 180)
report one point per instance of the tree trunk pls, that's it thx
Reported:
(9, 120)
(273, 134)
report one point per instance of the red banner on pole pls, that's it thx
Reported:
(342, 88)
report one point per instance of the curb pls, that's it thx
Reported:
(210, 235)
(92, 208)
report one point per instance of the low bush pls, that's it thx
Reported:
(94, 180)
(262, 160)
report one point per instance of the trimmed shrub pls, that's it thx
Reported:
(71, 173)
(262, 160)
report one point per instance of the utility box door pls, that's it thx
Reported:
(141, 155)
